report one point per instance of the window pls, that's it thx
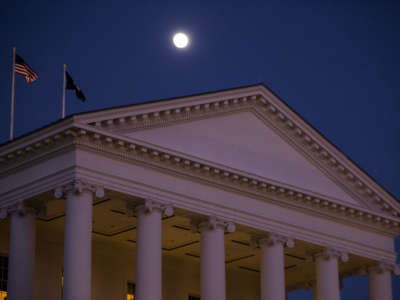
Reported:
(3, 277)
(192, 297)
(131, 291)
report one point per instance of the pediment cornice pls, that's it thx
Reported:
(135, 151)
(269, 109)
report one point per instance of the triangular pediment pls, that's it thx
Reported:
(251, 130)
(243, 142)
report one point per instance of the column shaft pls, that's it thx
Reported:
(21, 263)
(148, 254)
(327, 287)
(212, 265)
(272, 271)
(78, 246)
(380, 285)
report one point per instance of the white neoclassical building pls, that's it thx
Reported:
(224, 195)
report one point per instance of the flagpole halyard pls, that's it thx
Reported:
(12, 97)
(63, 95)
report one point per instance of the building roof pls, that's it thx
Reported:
(261, 98)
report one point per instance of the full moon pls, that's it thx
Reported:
(180, 40)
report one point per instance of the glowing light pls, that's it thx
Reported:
(180, 40)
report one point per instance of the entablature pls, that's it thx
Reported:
(135, 151)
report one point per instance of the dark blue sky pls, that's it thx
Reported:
(334, 62)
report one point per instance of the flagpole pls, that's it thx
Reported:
(12, 97)
(63, 95)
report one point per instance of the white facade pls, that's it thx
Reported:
(230, 195)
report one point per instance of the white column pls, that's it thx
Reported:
(21, 262)
(327, 269)
(273, 266)
(78, 239)
(380, 282)
(148, 250)
(212, 258)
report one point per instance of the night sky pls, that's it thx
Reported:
(336, 63)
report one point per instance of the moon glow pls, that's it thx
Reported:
(181, 40)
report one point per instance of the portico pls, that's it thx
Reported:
(224, 195)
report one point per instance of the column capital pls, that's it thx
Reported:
(270, 240)
(212, 223)
(329, 253)
(382, 266)
(147, 206)
(77, 186)
(22, 209)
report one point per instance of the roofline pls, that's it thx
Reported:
(175, 98)
(130, 105)
(260, 84)
(330, 143)
(70, 117)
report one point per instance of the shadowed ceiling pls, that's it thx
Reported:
(111, 223)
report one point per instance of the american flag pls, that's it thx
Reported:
(22, 68)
